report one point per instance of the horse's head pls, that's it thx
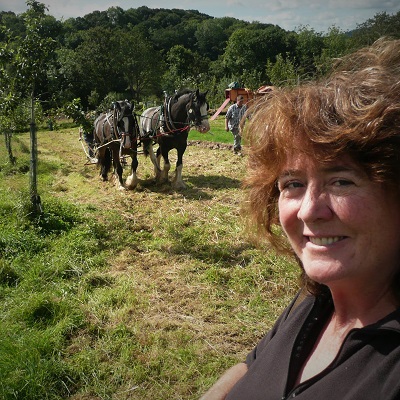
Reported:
(123, 120)
(197, 111)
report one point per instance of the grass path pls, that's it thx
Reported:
(152, 293)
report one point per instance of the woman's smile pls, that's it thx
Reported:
(324, 241)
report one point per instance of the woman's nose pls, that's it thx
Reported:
(314, 206)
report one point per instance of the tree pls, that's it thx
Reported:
(309, 45)
(97, 19)
(382, 24)
(30, 60)
(116, 16)
(282, 72)
(141, 66)
(96, 63)
(336, 44)
(7, 97)
(250, 48)
(185, 68)
(12, 23)
(211, 38)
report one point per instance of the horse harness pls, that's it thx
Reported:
(165, 121)
(116, 133)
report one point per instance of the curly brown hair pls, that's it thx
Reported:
(355, 111)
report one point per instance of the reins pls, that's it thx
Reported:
(91, 160)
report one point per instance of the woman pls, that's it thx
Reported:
(324, 163)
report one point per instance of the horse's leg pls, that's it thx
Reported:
(162, 151)
(154, 160)
(177, 182)
(118, 168)
(148, 151)
(104, 162)
(132, 180)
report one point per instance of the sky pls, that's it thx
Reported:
(319, 15)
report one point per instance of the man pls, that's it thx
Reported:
(232, 122)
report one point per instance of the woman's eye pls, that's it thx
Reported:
(289, 185)
(342, 182)
(292, 185)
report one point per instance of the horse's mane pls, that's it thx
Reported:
(185, 91)
(181, 92)
(125, 107)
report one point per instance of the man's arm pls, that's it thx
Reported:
(225, 383)
(228, 115)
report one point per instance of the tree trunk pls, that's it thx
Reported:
(35, 198)
(11, 157)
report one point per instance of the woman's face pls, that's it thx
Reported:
(342, 226)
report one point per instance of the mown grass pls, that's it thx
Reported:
(145, 294)
(217, 133)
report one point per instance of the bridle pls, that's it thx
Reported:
(118, 118)
(191, 111)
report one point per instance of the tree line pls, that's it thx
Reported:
(140, 53)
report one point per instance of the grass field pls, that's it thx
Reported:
(144, 294)
(217, 132)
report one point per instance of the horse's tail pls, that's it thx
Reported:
(146, 145)
(145, 126)
(107, 159)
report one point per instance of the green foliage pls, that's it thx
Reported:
(382, 24)
(250, 48)
(142, 67)
(74, 110)
(27, 370)
(282, 72)
(34, 49)
(253, 78)
(40, 313)
(8, 275)
(14, 243)
(106, 104)
(308, 48)
(335, 45)
(185, 69)
(141, 52)
(212, 36)
(58, 217)
(96, 60)
(18, 117)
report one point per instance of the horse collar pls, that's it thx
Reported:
(167, 120)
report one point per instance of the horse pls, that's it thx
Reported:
(168, 126)
(116, 134)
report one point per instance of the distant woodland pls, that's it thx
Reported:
(140, 53)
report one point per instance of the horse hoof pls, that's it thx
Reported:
(178, 186)
(130, 187)
(131, 183)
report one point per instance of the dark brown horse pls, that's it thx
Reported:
(116, 134)
(169, 126)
